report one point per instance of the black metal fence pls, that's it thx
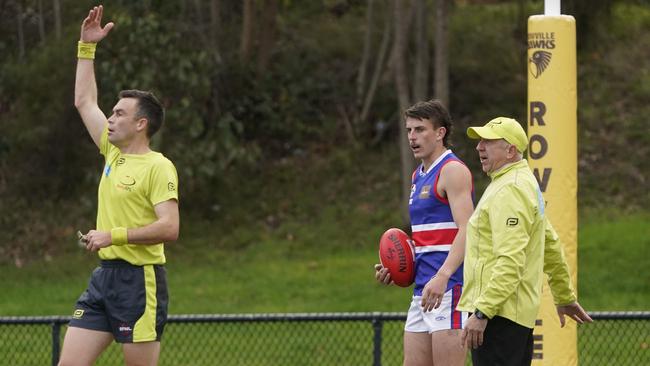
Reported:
(621, 338)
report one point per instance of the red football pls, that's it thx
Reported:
(396, 253)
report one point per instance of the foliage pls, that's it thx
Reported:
(614, 139)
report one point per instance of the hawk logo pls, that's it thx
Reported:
(512, 221)
(539, 62)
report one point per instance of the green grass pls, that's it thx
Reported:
(318, 268)
(614, 262)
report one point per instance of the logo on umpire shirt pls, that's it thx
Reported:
(127, 180)
(171, 186)
(512, 221)
(78, 313)
(126, 183)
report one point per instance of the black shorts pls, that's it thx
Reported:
(505, 343)
(126, 300)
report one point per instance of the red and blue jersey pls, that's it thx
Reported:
(432, 224)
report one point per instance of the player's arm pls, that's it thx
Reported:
(164, 229)
(85, 90)
(456, 181)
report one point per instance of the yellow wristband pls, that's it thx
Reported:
(86, 50)
(119, 236)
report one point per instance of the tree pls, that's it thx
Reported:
(215, 27)
(246, 40)
(365, 95)
(421, 69)
(57, 18)
(441, 82)
(404, 99)
(41, 22)
(20, 30)
(267, 34)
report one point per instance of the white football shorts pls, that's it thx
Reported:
(443, 318)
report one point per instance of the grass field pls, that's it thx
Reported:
(291, 274)
(300, 275)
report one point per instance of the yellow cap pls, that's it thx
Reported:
(501, 128)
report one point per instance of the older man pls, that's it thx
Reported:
(510, 245)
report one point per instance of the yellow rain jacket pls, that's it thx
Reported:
(510, 244)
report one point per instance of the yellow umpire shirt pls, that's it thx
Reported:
(130, 187)
(509, 245)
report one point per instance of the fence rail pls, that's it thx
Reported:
(621, 338)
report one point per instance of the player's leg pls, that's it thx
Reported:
(446, 326)
(141, 354)
(417, 340)
(88, 332)
(139, 315)
(447, 348)
(417, 349)
(81, 347)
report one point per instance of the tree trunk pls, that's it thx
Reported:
(215, 28)
(363, 65)
(198, 12)
(20, 30)
(267, 34)
(246, 43)
(41, 22)
(379, 67)
(441, 86)
(57, 18)
(421, 74)
(401, 83)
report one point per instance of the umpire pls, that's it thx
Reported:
(510, 245)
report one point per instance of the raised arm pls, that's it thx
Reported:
(456, 181)
(85, 89)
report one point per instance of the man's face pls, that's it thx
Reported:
(423, 137)
(493, 154)
(123, 124)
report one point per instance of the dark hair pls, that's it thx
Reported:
(148, 107)
(434, 111)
